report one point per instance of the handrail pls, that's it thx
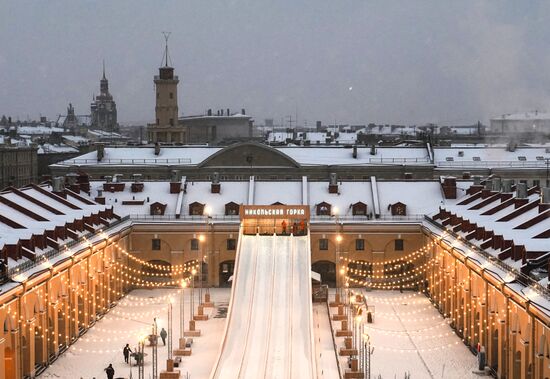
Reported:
(126, 161)
(43, 258)
(525, 279)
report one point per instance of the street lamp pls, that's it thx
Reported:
(193, 273)
(182, 308)
(202, 238)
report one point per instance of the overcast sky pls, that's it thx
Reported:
(353, 61)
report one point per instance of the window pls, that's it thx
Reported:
(155, 244)
(171, 95)
(522, 158)
(171, 122)
(359, 244)
(449, 159)
(399, 245)
(231, 244)
(158, 121)
(540, 158)
(323, 244)
(194, 244)
(476, 159)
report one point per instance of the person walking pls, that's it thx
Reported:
(163, 335)
(110, 371)
(126, 351)
(283, 226)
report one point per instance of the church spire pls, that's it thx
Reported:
(104, 70)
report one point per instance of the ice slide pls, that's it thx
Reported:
(269, 330)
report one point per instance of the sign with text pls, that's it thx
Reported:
(274, 212)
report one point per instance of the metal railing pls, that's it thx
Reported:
(535, 164)
(53, 252)
(128, 161)
(518, 275)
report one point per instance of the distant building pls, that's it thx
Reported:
(76, 124)
(103, 108)
(522, 123)
(209, 128)
(18, 166)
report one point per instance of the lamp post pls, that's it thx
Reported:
(141, 358)
(202, 238)
(155, 351)
(170, 329)
(367, 353)
(338, 266)
(182, 308)
(193, 273)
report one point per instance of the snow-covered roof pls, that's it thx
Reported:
(490, 156)
(523, 116)
(421, 197)
(39, 129)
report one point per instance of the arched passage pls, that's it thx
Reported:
(327, 270)
(156, 271)
(226, 270)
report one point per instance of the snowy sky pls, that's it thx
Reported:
(353, 61)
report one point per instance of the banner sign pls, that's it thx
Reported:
(274, 212)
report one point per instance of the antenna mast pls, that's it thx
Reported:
(166, 36)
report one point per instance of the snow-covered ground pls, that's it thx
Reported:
(133, 318)
(410, 336)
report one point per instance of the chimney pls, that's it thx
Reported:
(175, 181)
(333, 185)
(209, 112)
(108, 179)
(477, 180)
(489, 184)
(100, 199)
(228, 112)
(73, 185)
(544, 199)
(521, 191)
(449, 187)
(100, 152)
(373, 150)
(496, 184)
(58, 186)
(157, 148)
(137, 185)
(507, 185)
(354, 151)
(215, 187)
(243, 111)
(318, 126)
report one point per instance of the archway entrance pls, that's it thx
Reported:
(327, 270)
(226, 271)
(156, 271)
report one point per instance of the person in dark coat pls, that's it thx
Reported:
(127, 351)
(163, 335)
(110, 371)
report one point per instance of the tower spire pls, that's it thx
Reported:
(104, 69)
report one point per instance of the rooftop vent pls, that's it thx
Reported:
(507, 185)
(108, 179)
(333, 185)
(157, 148)
(354, 152)
(100, 152)
(521, 191)
(215, 187)
(58, 184)
(496, 184)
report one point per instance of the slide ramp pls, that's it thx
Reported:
(269, 330)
